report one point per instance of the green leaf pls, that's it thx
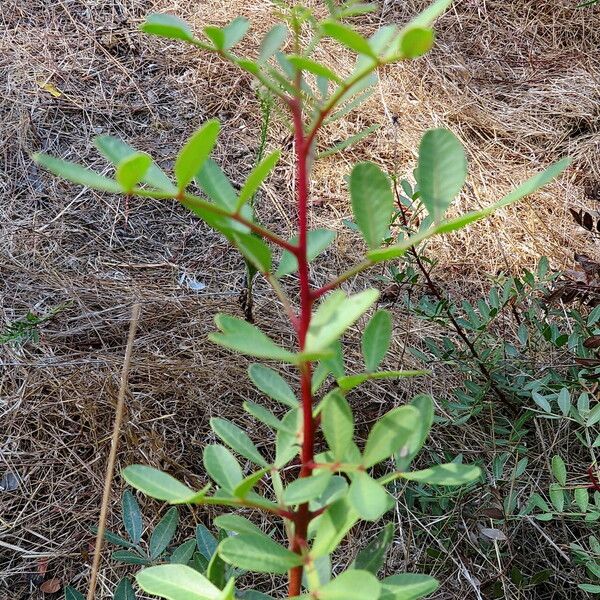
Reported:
(256, 178)
(306, 488)
(237, 524)
(337, 424)
(349, 382)
(272, 384)
(205, 541)
(195, 152)
(73, 594)
(77, 174)
(113, 538)
(424, 404)
(317, 242)
(132, 170)
(592, 588)
(332, 526)
(442, 170)
(215, 570)
(559, 470)
(235, 31)
(183, 553)
(262, 414)
(216, 185)
(168, 26)
(272, 42)
(258, 553)
(303, 63)
(390, 434)
(156, 484)
(115, 150)
(369, 498)
(582, 499)
(163, 533)
(177, 582)
(244, 487)
(222, 467)
(124, 590)
(347, 37)
(564, 401)
(416, 41)
(129, 558)
(372, 556)
(334, 315)
(287, 443)
(450, 474)
(353, 584)
(246, 338)
(254, 250)
(376, 339)
(372, 202)
(132, 517)
(408, 586)
(237, 440)
(216, 35)
(349, 141)
(557, 497)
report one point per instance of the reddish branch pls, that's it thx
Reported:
(303, 516)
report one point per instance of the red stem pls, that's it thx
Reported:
(303, 516)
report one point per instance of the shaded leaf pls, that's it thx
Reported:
(408, 586)
(376, 339)
(372, 556)
(124, 590)
(132, 516)
(368, 498)
(317, 242)
(205, 541)
(372, 202)
(183, 553)
(442, 170)
(163, 533)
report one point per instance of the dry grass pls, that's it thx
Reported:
(517, 81)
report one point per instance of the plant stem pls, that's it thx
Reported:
(303, 516)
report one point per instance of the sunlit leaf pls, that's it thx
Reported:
(222, 466)
(236, 524)
(195, 152)
(349, 382)
(168, 26)
(77, 174)
(416, 41)
(349, 141)
(389, 434)
(156, 484)
(132, 170)
(260, 172)
(254, 250)
(369, 498)
(348, 37)
(246, 338)
(177, 582)
(258, 553)
(272, 42)
(311, 66)
(334, 315)
(450, 474)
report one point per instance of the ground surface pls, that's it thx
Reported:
(518, 82)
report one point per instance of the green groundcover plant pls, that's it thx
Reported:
(321, 482)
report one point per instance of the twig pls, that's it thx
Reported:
(135, 317)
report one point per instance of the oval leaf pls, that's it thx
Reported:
(177, 582)
(376, 339)
(372, 202)
(156, 484)
(195, 152)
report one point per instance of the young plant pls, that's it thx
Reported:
(322, 482)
